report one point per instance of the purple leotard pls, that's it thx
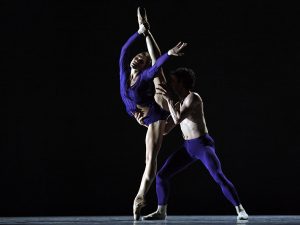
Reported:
(142, 92)
(203, 149)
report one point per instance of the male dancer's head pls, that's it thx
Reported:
(182, 80)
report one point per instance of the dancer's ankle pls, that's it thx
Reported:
(239, 208)
(162, 209)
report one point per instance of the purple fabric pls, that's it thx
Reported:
(202, 149)
(155, 113)
(124, 64)
(142, 92)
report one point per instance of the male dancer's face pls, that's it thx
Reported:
(175, 84)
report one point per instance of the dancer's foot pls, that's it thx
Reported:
(139, 15)
(155, 216)
(142, 17)
(138, 204)
(242, 215)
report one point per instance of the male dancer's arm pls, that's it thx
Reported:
(185, 109)
(169, 125)
(170, 122)
(178, 114)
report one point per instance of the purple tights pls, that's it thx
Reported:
(203, 149)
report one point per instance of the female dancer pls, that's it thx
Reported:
(137, 91)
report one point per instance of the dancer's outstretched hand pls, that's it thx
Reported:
(176, 51)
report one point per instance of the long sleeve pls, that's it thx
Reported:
(124, 56)
(124, 62)
(152, 71)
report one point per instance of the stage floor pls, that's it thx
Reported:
(127, 220)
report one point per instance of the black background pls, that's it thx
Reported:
(69, 148)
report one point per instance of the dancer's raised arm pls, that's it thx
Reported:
(175, 51)
(125, 59)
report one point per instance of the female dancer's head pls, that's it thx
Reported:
(141, 61)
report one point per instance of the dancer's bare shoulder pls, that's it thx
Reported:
(197, 97)
(193, 99)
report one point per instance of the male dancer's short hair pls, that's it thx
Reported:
(186, 76)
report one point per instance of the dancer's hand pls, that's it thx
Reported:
(165, 91)
(176, 51)
(139, 116)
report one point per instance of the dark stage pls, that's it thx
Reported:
(68, 147)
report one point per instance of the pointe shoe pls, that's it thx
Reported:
(139, 15)
(155, 216)
(138, 204)
(242, 215)
(142, 17)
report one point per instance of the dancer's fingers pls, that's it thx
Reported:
(163, 86)
(161, 89)
(179, 43)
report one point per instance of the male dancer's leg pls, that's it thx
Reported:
(211, 161)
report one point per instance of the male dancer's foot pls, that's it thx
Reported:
(159, 214)
(242, 215)
(138, 204)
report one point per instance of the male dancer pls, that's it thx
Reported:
(198, 144)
